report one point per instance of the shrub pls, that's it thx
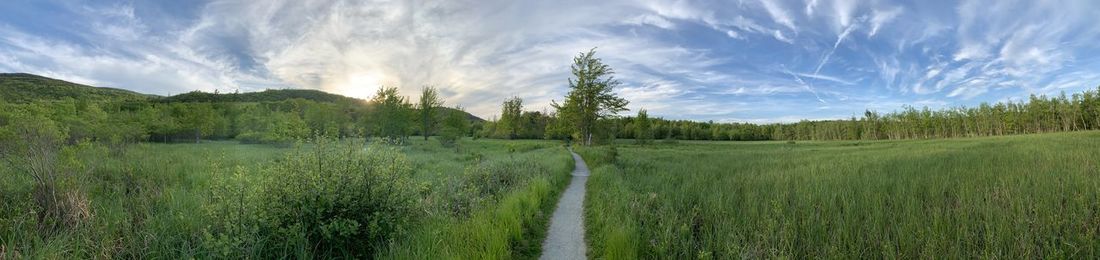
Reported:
(485, 182)
(329, 200)
(33, 145)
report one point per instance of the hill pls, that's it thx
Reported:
(272, 95)
(261, 96)
(22, 88)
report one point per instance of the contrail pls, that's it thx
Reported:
(824, 60)
(835, 45)
(808, 87)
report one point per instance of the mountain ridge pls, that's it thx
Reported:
(26, 87)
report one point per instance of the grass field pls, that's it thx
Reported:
(485, 199)
(1027, 196)
(1030, 196)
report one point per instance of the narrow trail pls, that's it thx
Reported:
(565, 239)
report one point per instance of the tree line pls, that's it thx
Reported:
(1038, 114)
(388, 115)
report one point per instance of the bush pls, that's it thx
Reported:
(485, 182)
(33, 145)
(330, 200)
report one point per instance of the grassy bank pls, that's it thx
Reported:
(1002, 197)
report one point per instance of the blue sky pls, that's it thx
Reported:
(728, 61)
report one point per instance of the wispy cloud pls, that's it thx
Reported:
(754, 60)
(779, 14)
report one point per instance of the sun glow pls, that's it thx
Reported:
(359, 85)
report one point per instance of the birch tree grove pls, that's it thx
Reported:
(591, 97)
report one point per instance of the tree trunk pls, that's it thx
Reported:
(197, 135)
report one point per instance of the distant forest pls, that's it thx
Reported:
(281, 116)
(1039, 114)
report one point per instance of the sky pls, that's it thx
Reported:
(726, 61)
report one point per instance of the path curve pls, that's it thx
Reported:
(565, 239)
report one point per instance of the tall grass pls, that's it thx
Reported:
(154, 200)
(1031, 196)
(510, 227)
(144, 202)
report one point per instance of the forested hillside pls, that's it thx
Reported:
(272, 116)
(269, 95)
(23, 88)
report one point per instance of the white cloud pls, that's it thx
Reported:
(971, 52)
(778, 14)
(810, 7)
(653, 20)
(880, 17)
(826, 77)
(843, 12)
(779, 36)
(734, 34)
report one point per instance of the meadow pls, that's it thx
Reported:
(1026, 196)
(221, 199)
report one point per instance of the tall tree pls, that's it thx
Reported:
(642, 132)
(510, 117)
(591, 97)
(391, 114)
(429, 101)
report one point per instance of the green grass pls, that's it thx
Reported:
(1030, 196)
(143, 202)
(148, 201)
(509, 228)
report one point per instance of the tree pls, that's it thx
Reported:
(642, 132)
(429, 101)
(200, 118)
(591, 96)
(510, 117)
(391, 114)
(455, 126)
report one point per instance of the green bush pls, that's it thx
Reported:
(486, 182)
(328, 200)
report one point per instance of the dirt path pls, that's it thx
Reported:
(565, 239)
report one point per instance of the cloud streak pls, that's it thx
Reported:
(679, 59)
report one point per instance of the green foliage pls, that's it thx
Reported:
(272, 127)
(428, 106)
(1038, 114)
(26, 88)
(455, 126)
(510, 123)
(328, 200)
(591, 97)
(182, 201)
(392, 115)
(642, 132)
(32, 145)
(198, 118)
(497, 209)
(272, 116)
(270, 95)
